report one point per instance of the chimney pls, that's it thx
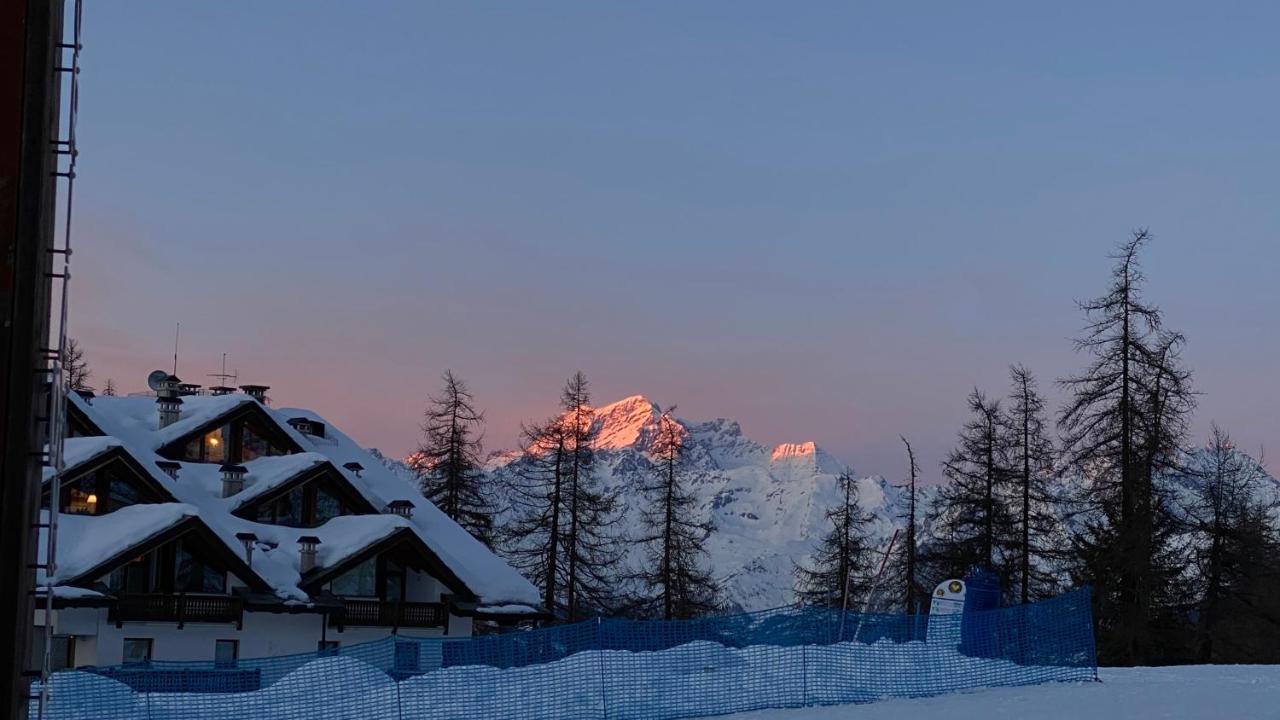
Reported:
(221, 390)
(248, 539)
(232, 479)
(168, 402)
(86, 394)
(403, 508)
(354, 467)
(169, 467)
(307, 553)
(257, 392)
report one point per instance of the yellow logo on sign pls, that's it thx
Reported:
(955, 586)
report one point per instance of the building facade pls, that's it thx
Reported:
(212, 527)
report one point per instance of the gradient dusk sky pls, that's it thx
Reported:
(828, 221)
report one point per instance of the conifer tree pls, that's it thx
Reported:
(447, 462)
(971, 522)
(109, 390)
(1227, 517)
(843, 566)
(564, 531)
(532, 539)
(1122, 423)
(592, 548)
(1032, 466)
(676, 566)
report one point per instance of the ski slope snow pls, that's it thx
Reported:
(1192, 692)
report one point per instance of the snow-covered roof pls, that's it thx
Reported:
(131, 423)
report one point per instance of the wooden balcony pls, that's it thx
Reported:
(181, 609)
(379, 613)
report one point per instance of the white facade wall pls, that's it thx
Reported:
(100, 642)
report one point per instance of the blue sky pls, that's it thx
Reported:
(828, 221)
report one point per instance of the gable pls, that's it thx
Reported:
(323, 477)
(250, 415)
(190, 529)
(403, 539)
(118, 464)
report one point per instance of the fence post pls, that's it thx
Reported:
(804, 675)
(604, 697)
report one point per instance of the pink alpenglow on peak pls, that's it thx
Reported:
(630, 422)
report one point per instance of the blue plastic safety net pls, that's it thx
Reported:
(612, 669)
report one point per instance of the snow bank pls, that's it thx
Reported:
(695, 679)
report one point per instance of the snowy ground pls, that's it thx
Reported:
(1201, 692)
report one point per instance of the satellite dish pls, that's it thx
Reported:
(156, 379)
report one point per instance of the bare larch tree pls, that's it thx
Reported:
(447, 461)
(843, 566)
(676, 563)
(1122, 423)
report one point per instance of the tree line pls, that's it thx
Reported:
(1180, 545)
(562, 527)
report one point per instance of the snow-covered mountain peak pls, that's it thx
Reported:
(768, 503)
(627, 423)
(806, 455)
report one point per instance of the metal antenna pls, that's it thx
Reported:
(177, 331)
(224, 376)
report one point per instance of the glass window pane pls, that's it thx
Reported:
(327, 507)
(225, 652)
(137, 650)
(289, 508)
(254, 445)
(360, 581)
(133, 577)
(81, 496)
(64, 652)
(215, 445)
(192, 574)
(123, 492)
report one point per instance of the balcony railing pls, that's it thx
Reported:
(178, 608)
(382, 613)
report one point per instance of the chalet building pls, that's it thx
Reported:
(213, 527)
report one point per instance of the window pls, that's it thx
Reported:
(121, 493)
(393, 582)
(192, 574)
(225, 653)
(80, 497)
(62, 655)
(254, 445)
(137, 576)
(327, 507)
(137, 650)
(307, 505)
(238, 441)
(99, 492)
(360, 581)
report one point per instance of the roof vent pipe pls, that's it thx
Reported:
(307, 545)
(403, 508)
(232, 479)
(169, 467)
(257, 392)
(248, 539)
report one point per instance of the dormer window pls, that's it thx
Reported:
(239, 441)
(98, 493)
(179, 566)
(307, 505)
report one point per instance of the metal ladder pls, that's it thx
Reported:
(66, 153)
